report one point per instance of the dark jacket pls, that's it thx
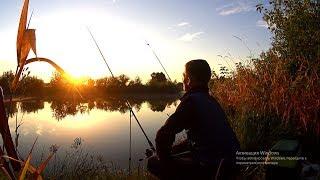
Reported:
(208, 132)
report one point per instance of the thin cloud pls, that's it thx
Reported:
(236, 7)
(188, 37)
(183, 24)
(179, 25)
(262, 23)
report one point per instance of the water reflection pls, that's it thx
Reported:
(102, 123)
(31, 106)
(63, 107)
(159, 106)
(11, 108)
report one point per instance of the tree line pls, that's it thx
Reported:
(61, 85)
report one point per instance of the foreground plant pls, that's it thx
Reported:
(78, 162)
(28, 170)
(26, 40)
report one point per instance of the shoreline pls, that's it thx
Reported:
(110, 96)
(20, 99)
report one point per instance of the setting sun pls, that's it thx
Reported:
(76, 80)
(122, 42)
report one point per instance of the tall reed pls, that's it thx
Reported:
(275, 90)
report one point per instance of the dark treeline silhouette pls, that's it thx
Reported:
(28, 86)
(63, 107)
(64, 86)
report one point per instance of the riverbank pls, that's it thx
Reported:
(137, 96)
(20, 99)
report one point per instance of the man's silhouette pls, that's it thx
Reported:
(210, 145)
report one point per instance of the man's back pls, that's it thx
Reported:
(210, 134)
(210, 138)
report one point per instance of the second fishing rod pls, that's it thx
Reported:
(127, 102)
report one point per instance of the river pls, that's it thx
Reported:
(102, 126)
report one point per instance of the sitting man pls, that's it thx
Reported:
(211, 144)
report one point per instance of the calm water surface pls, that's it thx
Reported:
(102, 125)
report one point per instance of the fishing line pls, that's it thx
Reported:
(30, 19)
(104, 59)
(127, 102)
(154, 53)
(130, 148)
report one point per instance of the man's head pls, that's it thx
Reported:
(197, 73)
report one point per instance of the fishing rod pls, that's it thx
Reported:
(154, 53)
(130, 148)
(127, 102)
(104, 59)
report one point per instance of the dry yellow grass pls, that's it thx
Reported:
(272, 86)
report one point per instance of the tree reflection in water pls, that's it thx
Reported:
(160, 105)
(31, 106)
(62, 107)
(11, 108)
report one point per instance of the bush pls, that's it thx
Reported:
(277, 95)
(295, 26)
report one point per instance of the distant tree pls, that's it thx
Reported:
(113, 84)
(136, 85)
(157, 77)
(31, 86)
(123, 81)
(56, 80)
(101, 83)
(159, 83)
(90, 83)
(87, 85)
(61, 85)
(5, 81)
(136, 82)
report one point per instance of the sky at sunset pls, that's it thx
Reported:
(177, 30)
